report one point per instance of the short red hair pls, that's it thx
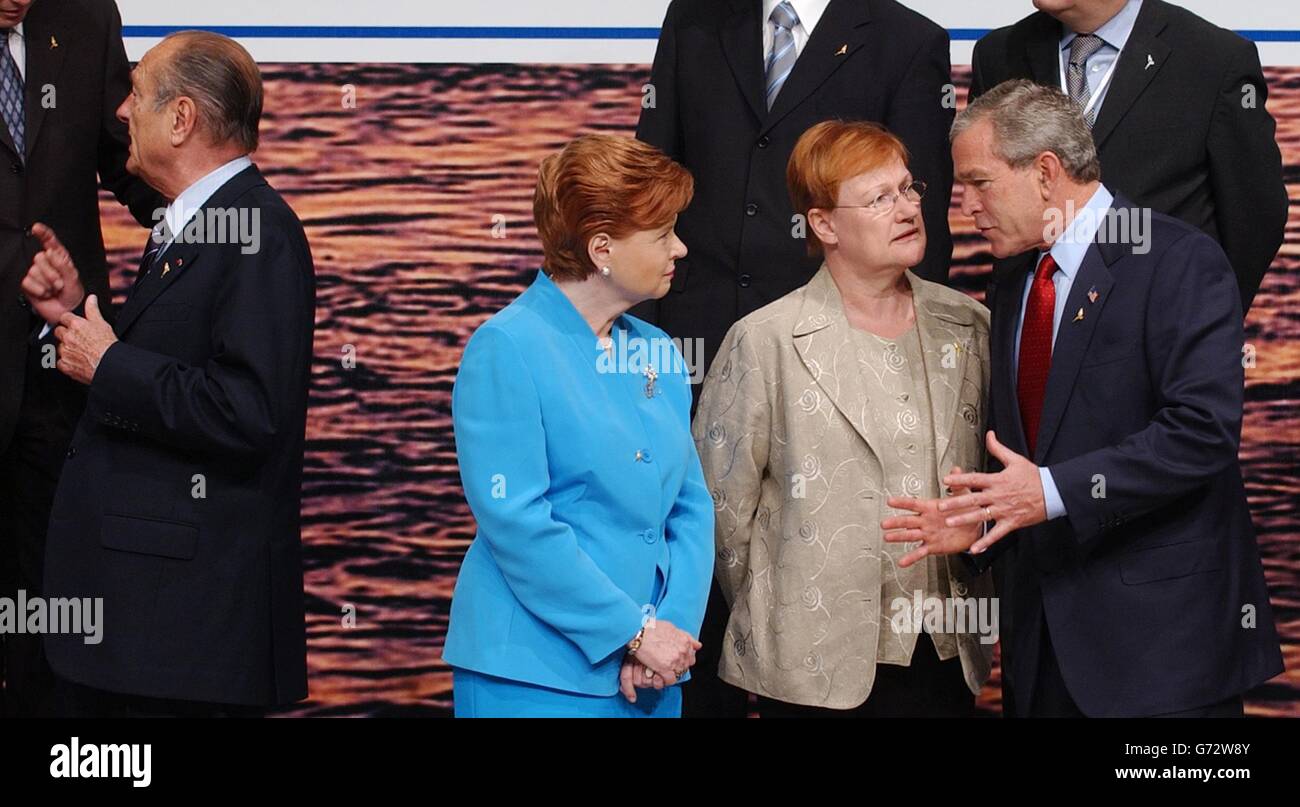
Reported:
(830, 153)
(603, 184)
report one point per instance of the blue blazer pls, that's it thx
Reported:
(1151, 584)
(591, 505)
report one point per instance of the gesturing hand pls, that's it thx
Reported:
(1013, 497)
(929, 526)
(52, 284)
(83, 342)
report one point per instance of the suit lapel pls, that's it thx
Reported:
(1072, 338)
(179, 258)
(44, 38)
(842, 30)
(1006, 313)
(940, 325)
(742, 44)
(825, 346)
(1132, 73)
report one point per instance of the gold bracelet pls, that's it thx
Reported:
(635, 644)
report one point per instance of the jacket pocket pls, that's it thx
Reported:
(148, 536)
(1170, 561)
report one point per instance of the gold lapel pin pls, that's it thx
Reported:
(54, 43)
(167, 267)
(1079, 316)
(843, 49)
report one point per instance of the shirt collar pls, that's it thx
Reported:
(1068, 250)
(809, 11)
(191, 200)
(1115, 31)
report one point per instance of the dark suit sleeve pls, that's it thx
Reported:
(918, 115)
(1193, 347)
(231, 405)
(1250, 198)
(977, 85)
(114, 141)
(658, 124)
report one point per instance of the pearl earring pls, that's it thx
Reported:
(604, 270)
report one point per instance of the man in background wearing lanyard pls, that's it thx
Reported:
(1176, 107)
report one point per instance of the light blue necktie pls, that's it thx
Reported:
(12, 105)
(781, 60)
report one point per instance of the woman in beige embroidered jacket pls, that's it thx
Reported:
(857, 391)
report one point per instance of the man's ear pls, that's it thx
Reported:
(819, 221)
(185, 117)
(1050, 171)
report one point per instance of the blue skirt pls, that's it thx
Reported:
(479, 695)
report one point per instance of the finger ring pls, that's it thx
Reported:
(649, 673)
(988, 515)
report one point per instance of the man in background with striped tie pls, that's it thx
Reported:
(1176, 107)
(63, 70)
(734, 85)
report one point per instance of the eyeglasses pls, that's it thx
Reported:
(885, 202)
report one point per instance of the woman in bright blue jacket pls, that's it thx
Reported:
(585, 586)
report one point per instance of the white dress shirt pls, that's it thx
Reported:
(191, 200)
(809, 12)
(1068, 251)
(18, 48)
(1097, 68)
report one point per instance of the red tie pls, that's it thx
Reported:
(1036, 349)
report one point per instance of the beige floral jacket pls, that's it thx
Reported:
(791, 458)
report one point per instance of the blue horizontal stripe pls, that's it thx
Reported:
(506, 32)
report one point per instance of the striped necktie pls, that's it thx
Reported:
(12, 105)
(1076, 79)
(781, 61)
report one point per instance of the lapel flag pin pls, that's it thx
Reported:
(1150, 62)
(1079, 316)
(1092, 294)
(180, 262)
(843, 49)
(54, 43)
(167, 267)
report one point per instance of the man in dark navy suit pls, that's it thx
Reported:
(179, 500)
(1129, 577)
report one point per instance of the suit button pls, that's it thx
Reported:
(649, 536)
(645, 455)
(745, 280)
(72, 452)
(27, 231)
(751, 209)
(961, 589)
(764, 142)
(16, 168)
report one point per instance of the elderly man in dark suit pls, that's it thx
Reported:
(734, 85)
(1176, 107)
(63, 71)
(179, 500)
(1129, 578)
